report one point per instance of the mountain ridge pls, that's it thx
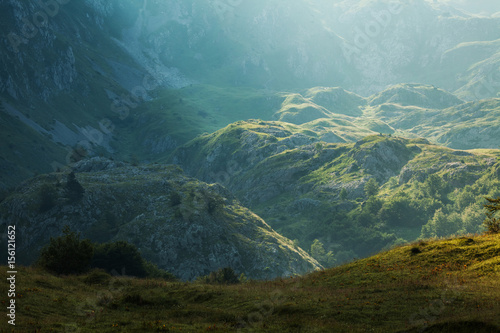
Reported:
(185, 226)
(112, 67)
(295, 181)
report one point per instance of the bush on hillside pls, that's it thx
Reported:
(371, 188)
(119, 258)
(318, 252)
(123, 258)
(67, 254)
(492, 223)
(222, 276)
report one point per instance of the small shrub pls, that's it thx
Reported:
(415, 250)
(97, 276)
(422, 242)
(243, 278)
(67, 254)
(465, 241)
(215, 204)
(222, 276)
(319, 253)
(135, 299)
(152, 271)
(371, 188)
(492, 225)
(124, 258)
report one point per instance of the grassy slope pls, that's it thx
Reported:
(449, 285)
(182, 114)
(334, 114)
(248, 163)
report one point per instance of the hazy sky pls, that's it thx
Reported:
(475, 6)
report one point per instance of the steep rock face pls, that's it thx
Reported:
(55, 83)
(35, 63)
(360, 45)
(185, 226)
(383, 159)
(277, 52)
(363, 47)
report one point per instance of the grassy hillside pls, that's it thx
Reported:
(150, 130)
(466, 126)
(449, 285)
(308, 189)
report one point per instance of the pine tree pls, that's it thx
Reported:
(492, 223)
(371, 187)
(74, 190)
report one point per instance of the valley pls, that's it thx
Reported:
(334, 156)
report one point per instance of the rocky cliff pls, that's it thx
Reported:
(185, 226)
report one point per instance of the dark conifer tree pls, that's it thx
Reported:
(74, 190)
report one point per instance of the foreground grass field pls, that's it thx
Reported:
(448, 285)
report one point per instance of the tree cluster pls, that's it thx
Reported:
(492, 223)
(68, 254)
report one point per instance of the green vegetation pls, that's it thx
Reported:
(187, 223)
(67, 254)
(119, 257)
(224, 275)
(492, 223)
(438, 285)
(355, 199)
(371, 188)
(318, 252)
(73, 189)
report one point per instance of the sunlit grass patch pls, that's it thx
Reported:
(454, 280)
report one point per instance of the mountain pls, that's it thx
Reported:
(135, 80)
(448, 285)
(185, 226)
(343, 128)
(308, 189)
(467, 126)
(363, 46)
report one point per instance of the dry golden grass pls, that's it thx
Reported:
(450, 285)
